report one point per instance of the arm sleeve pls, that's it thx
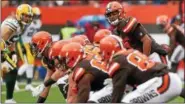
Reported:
(140, 32)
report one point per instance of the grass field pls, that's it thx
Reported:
(55, 96)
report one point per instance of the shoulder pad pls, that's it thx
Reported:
(130, 24)
(12, 23)
(123, 52)
(78, 73)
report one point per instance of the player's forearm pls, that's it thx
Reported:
(57, 74)
(43, 96)
(54, 77)
(147, 46)
(47, 79)
(172, 44)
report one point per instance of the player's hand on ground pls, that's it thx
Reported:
(36, 91)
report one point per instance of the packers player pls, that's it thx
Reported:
(11, 28)
(8, 71)
(23, 47)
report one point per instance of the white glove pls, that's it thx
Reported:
(36, 92)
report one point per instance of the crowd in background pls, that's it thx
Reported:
(52, 3)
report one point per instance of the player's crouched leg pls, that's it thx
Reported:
(63, 85)
(10, 79)
(158, 89)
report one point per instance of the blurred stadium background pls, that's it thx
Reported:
(56, 16)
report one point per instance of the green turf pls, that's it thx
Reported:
(54, 96)
(26, 97)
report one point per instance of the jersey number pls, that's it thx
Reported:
(99, 65)
(32, 31)
(140, 61)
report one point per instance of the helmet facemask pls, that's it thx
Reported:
(26, 19)
(59, 63)
(113, 17)
(107, 56)
(71, 61)
(37, 50)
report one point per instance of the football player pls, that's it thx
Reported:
(41, 45)
(177, 39)
(9, 72)
(11, 28)
(94, 98)
(92, 71)
(152, 80)
(23, 47)
(132, 32)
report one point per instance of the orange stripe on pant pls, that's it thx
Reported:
(165, 84)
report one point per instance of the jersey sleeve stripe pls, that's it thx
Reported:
(11, 24)
(129, 25)
(79, 73)
(13, 27)
(113, 68)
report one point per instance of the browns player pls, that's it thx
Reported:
(105, 97)
(132, 32)
(41, 46)
(87, 74)
(175, 32)
(152, 80)
(177, 39)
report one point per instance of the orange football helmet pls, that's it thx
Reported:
(114, 12)
(40, 41)
(56, 48)
(79, 39)
(110, 45)
(85, 39)
(100, 34)
(71, 54)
